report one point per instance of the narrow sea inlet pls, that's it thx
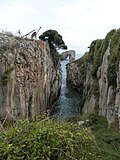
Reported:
(67, 104)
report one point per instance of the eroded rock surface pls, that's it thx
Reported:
(97, 76)
(30, 78)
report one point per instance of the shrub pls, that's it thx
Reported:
(47, 140)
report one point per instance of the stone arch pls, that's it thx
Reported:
(68, 54)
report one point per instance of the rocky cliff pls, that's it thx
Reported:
(30, 77)
(97, 76)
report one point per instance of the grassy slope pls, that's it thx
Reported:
(107, 140)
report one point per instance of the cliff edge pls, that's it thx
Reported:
(30, 77)
(97, 76)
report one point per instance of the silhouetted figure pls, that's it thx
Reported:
(34, 35)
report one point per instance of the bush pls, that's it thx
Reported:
(47, 140)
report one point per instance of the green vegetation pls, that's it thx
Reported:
(97, 50)
(112, 72)
(82, 63)
(6, 74)
(95, 58)
(95, 88)
(54, 39)
(107, 140)
(55, 57)
(55, 42)
(114, 58)
(47, 140)
(110, 34)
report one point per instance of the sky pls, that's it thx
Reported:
(78, 21)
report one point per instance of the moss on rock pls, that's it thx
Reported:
(97, 50)
(114, 58)
(6, 74)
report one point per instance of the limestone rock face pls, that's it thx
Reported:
(97, 76)
(30, 78)
(70, 54)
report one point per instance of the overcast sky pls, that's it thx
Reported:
(78, 21)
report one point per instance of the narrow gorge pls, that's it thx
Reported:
(67, 104)
(31, 79)
(52, 108)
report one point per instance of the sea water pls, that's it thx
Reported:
(67, 103)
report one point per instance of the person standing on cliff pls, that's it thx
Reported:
(34, 34)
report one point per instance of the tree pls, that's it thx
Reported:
(54, 39)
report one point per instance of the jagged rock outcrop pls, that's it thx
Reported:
(97, 76)
(70, 54)
(30, 77)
